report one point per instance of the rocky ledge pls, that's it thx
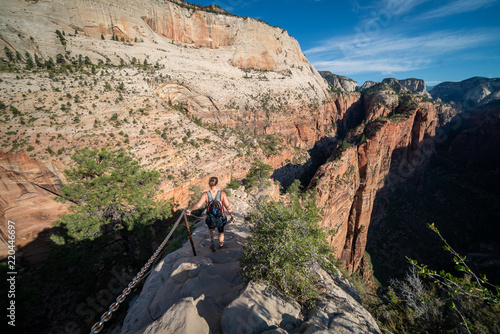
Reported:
(205, 294)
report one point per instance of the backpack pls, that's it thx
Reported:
(215, 211)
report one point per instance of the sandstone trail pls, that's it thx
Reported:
(205, 293)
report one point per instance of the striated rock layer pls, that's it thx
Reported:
(27, 191)
(147, 26)
(392, 152)
(226, 70)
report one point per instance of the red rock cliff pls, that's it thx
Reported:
(350, 181)
(27, 191)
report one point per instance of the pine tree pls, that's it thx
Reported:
(9, 54)
(29, 61)
(110, 191)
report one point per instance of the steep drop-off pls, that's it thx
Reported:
(459, 187)
(389, 150)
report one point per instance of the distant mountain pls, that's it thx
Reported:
(468, 94)
(340, 82)
(402, 86)
(367, 85)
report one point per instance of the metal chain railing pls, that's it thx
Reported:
(98, 326)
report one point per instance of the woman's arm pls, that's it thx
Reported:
(202, 201)
(226, 204)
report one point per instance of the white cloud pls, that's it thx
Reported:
(401, 7)
(361, 53)
(385, 66)
(454, 8)
(433, 83)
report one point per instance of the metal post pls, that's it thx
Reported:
(189, 233)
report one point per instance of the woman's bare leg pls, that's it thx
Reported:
(221, 239)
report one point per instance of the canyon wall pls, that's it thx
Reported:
(27, 197)
(225, 70)
(381, 154)
(151, 29)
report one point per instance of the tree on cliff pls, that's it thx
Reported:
(259, 172)
(110, 191)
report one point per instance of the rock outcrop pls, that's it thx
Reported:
(259, 309)
(379, 100)
(385, 152)
(445, 113)
(468, 94)
(205, 294)
(338, 311)
(27, 191)
(340, 82)
(408, 85)
(401, 86)
(367, 85)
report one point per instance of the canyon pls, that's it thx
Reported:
(194, 92)
(389, 151)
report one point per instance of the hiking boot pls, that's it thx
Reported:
(212, 248)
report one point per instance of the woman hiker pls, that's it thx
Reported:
(215, 200)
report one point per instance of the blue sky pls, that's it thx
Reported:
(371, 40)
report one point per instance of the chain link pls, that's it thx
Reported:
(98, 326)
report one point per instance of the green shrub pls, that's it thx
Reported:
(258, 173)
(233, 184)
(270, 144)
(15, 111)
(430, 302)
(9, 53)
(285, 242)
(61, 37)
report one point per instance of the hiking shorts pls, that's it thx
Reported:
(220, 227)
